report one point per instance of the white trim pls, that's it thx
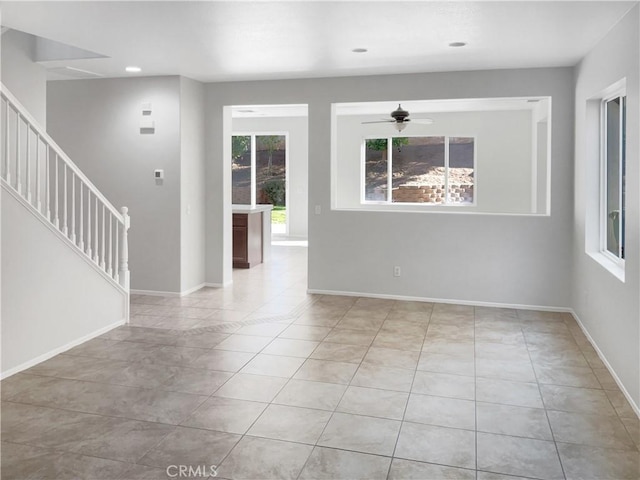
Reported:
(192, 289)
(624, 391)
(424, 208)
(219, 285)
(155, 293)
(475, 303)
(59, 350)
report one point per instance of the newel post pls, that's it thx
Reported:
(124, 250)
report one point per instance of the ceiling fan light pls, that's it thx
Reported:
(400, 126)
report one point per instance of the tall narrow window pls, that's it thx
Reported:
(612, 195)
(241, 168)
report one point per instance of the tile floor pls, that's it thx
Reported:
(265, 381)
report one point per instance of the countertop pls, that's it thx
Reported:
(250, 209)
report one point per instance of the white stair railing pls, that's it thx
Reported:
(37, 169)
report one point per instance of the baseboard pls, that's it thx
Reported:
(59, 350)
(156, 293)
(218, 285)
(160, 293)
(473, 303)
(624, 391)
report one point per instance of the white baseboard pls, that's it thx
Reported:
(59, 350)
(218, 285)
(474, 303)
(624, 391)
(160, 293)
(155, 293)
(192, 289)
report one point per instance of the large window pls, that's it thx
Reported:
(612, 179)
(427, 170)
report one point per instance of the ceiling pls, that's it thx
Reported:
(239, 40)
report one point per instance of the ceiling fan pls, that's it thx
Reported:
(400, 118)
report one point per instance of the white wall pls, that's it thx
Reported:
(503, 156)
(97, 123)
(192, 184)
(505, 259)
(51, 296)
(298, 129)
(609, 308)
(24, 78)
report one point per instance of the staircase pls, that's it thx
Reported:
(45, 183)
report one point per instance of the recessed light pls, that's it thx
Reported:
(359, 50)
(133, 69)
(457, 44)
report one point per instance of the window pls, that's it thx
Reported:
(258, 170)
(612, 178)
(433, 170)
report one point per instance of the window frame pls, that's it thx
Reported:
(603, 220)
(389, 200)
(253, 134)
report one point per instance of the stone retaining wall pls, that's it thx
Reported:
(432, 193)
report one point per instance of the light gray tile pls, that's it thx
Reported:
(330, 464)
(441, 445)
(518, 456)
(326, 371)
(594, 430)
(580, 400)
(302, 393)
(339, 352)
(508, 393)
(374, 402)
(360, 434)
(273, 365)
(568, 376)
(243, 343)
(590, 463)
(515, 421)
(441, 411)
(191, 446)
(222, 360)
(256, 388)
(444, 385)
(254, 458)
(391, 358)
(225, 415)
(294, 424)
(290, 347)
(410, 470)
(374, 376)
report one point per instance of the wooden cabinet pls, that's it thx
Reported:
(247, 239)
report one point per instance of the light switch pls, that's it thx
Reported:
(318, 210)
(158, 174)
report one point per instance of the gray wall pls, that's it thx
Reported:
(298, 130)
(24, 78)
(192, 185)
(608, 307)
(503, 259)
(97, 123)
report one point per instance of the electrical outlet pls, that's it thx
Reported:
(396, 271)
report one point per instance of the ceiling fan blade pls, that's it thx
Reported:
(381, 121)
(424, 121)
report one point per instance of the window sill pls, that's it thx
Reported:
(608, 264)
(437, 209)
